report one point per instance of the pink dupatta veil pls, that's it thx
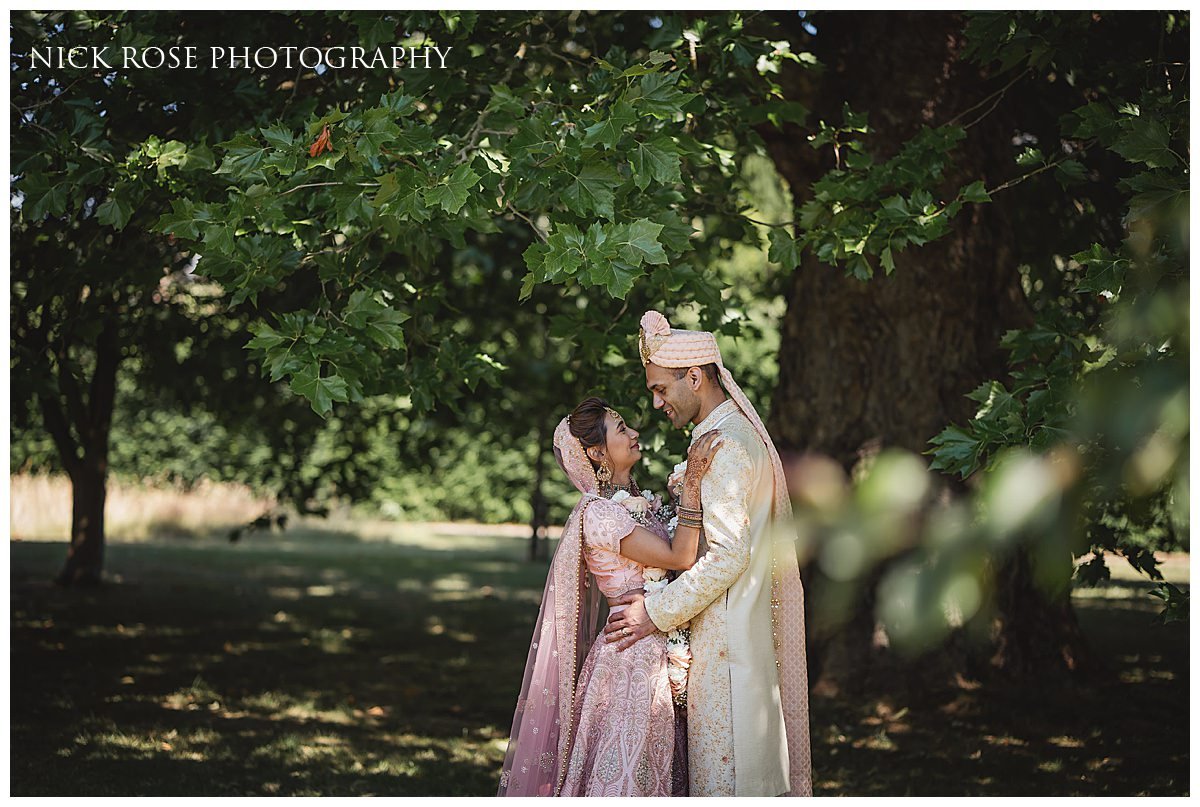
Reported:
(539, 744)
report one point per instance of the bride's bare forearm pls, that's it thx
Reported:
(686, 542)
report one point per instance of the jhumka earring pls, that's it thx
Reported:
(604, 473)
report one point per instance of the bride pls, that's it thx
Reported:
(590, 721)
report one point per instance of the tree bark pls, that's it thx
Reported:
(888, 362)
(86, 458)
(85, 556)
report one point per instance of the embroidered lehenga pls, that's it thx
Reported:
(591, 721)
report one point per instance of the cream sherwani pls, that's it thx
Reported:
(737, 745)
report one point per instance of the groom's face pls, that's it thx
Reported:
(674, 396)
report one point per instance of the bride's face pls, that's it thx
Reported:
(621, 443)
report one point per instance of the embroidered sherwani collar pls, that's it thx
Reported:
(715, 417)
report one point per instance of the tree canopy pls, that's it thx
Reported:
(477, 241)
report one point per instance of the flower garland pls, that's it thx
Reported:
(679, 652)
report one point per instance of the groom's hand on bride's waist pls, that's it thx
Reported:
(629, 624)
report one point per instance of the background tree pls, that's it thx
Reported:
(96, 157)
(1038, 109)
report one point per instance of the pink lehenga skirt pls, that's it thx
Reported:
(625, 733)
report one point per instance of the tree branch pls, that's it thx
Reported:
(998, 95)
(56, 423)
(1018, 180)
(769, 224)
(328, 184)
(103, 389)
(536, 231)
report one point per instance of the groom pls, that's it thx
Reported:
(747, 685)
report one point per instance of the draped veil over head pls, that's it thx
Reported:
(539, 744)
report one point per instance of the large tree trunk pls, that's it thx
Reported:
(85, 556)
(85, 455)
(887, 362)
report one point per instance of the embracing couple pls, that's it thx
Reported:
(697, 684)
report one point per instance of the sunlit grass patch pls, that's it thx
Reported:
(41, 508)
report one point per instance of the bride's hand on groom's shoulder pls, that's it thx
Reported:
(700, 457)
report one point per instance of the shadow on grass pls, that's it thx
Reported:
(304, 667)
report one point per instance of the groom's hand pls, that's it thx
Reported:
(629, 625)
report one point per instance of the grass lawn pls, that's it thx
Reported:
(323, 663)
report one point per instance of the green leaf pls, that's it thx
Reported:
(657, 159)
(676, 234)
(955, 451)
(1091, 120)
(375, 29)
(534, 137)
(378, 128)
(243, 155)
(564, 253)
(637, 243)
(1030, 156)
(416, 139)
(41, 198)
(592, 190)
(398, 104)
(976, 192)
(278, 137)
(860, 268)
(199, 158)
(283, 360)
(608, 131)
(888, 262)
(783, 249)
(657, 95)
(388, 187)
(326, 160)
(265, 337)
(1070, 171)
(1146, 140)
(386, 330)
(503, 102)
(411, 203)
(321, 392)
(218, 238)
(171, 153)
(535, 259)
(184, 220)
(616, 277)
(1105, 271)
(452, 193)
(115, 212)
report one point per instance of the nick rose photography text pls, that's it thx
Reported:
(188, 57)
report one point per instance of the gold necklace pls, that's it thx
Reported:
(607, 489)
